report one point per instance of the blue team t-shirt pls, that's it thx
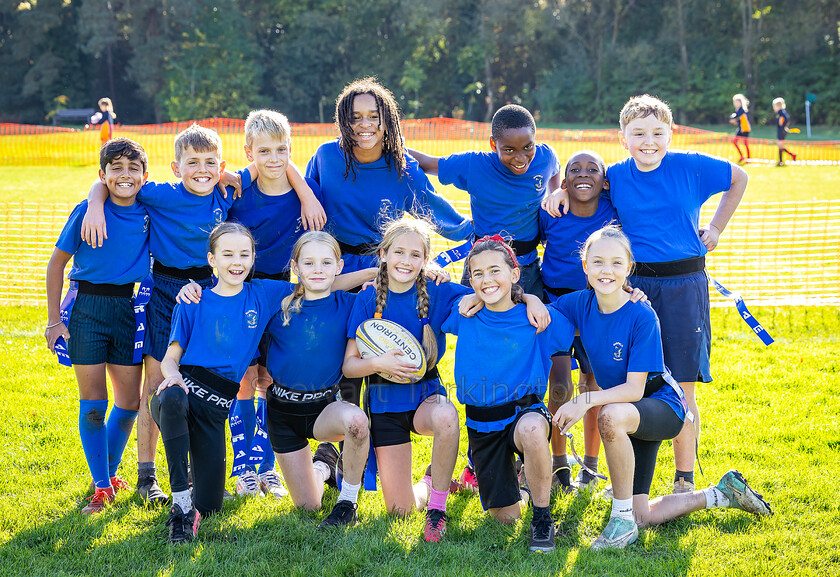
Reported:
(660, 210)
(358, 207)
(401, 308)
(221, 333)
(500, 358)
(502, 202)
(182, 221)
(564, 236)
(307, 354)
(627, 340)
(123, 257)
(275, 223)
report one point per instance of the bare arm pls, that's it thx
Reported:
(728, 204)
(350, 280)
(355, 366)
(55, 282)
(427, 162)
(170, 368)
(94, 231)
(628, 392)
(312, 213)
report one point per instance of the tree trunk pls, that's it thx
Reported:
(746, 30)
(488, 87)
(683, 61)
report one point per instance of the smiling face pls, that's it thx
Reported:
(368, 130)
(492, 279)
(270, 155)
(199, 171)
(516, 148)
(585, 178)
(316, 268)
(233, 258)
(607, 266)
(124, 178)
(647, 139)
(405, 259)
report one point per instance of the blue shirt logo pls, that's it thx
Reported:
(251, 317)
(618, 350)
(217, 215)
(538, 182)
(146, 223)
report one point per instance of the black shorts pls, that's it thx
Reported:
(291, 416)
(494, 461)
(387, 429)
(102, 326)
(781, 134)
(657, 422)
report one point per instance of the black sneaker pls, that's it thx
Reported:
(327, 453)
(150, 492)
(343, 514)
(542, 535)
(183, 527)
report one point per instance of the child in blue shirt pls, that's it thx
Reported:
(367, 179)
(501, 372)
(505, 186)
(212, 343)
(640, 403)
(101, 328)
(585, 180)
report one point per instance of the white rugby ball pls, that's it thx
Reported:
(375, 337)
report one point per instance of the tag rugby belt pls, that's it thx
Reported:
(672, 268)
(500, 412)
(106, 290)
(196, 273)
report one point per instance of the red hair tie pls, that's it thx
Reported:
(498, 238)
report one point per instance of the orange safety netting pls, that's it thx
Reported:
(30, 145)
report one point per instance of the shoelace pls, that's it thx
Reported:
(434, 519)
(542, 528)
(271, 479)
(118, 483)
(250, 481)
(99, 495)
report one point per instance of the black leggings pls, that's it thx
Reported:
(658, 422)
(193, 426)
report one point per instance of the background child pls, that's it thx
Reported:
(212, 343)
(741, 120)
(641, 405)
(501, 369)
(505, 186)
(585, 179)
(105, 118)
(782, 129)
(102, 321)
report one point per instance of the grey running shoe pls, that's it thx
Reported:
(586, 482)
(150, 492)
(683, 486)
(542, 536)
(741, 495)
(618, 534)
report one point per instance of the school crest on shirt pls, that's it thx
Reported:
(618, 351)
(146, 223)
(217, 215)
(538, 182)
(251, 319)
(299, 225)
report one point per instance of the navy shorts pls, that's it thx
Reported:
(657, 422)
(530, 278)
(159, 312)
(101, 330)
(682, 305)
(494, 461)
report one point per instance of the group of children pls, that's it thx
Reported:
(224, 321)
(741, 121)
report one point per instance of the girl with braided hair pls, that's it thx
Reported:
(367, 179)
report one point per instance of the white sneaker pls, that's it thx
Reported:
(271, 483)
(606, 494)
(248, 484)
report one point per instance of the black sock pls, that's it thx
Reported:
(781, 152)
(541, 514)
(688, 476)
(560, 466)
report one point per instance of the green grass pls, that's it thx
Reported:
(771, 412)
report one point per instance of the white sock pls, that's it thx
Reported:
(715, 498)
(183, 499)
(323, 468)
(622, 508)
(349, 492)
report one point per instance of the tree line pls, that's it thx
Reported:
(568, 60)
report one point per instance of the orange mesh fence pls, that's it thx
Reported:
(772, 253)
(28, 145)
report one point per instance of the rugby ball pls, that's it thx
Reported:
(375, 337)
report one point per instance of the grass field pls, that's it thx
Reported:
(771, 412)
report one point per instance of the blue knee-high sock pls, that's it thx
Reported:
(268, 459)
(249, 419)
(119, 426)
(95, 439)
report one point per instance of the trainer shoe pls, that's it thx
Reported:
(606, 494)
(272, 484)
(618, 534)
(248, 484)
(435, 525)
(741, 495)
(792, 156)
(558, 484)
(150, 492)
(468, 480)
(183, 527)
(683, 486)
(100, 499)
(343, 514)
(542, 536)
(328, 454)
(585, 482)
(117, 482)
